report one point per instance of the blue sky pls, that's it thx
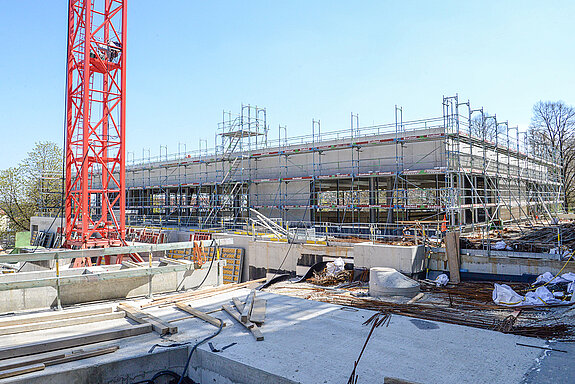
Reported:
(189, 60)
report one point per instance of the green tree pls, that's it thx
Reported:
(32, 187)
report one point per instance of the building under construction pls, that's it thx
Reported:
(463, 169)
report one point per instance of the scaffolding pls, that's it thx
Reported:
(464, 169)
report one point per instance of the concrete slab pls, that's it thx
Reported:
(305, 342)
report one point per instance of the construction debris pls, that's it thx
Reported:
(469, 304)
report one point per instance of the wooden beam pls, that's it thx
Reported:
(53, 358)
(258, 314)
(248, 307)
(415, 298)
(60, 323)
(238, 304)
(21, 370)
(192, 316)
(186, 295)
(250, 326)
(202, 315)
(452, 252)
(50, 316)
(29, 360)
(159, 325)
(73, 341)
(83, 355)
(393, 380)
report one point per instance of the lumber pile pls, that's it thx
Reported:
(198, 294)
(250, 313)
(35, 356)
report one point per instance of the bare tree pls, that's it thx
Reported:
(552, 134)
(483, 126)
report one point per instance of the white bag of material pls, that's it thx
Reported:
(541, 296)
(335, 267)
(548, 276)
(569, 276)
(544, 278)
(503, 294)
(441, 280)
(563, 253)
(501, 245)
(571, 288)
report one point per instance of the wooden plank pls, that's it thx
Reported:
(73, 341)
(60, 323)
(393, 380)
(58, 357)
(21, 370)
(159, 325)
(186, 295)
(415, 298)
(49, 316)
(196, 297)
(83, 355)
(202, 315)
(258, 314)
(452, 252)
(192, 316)
(248, 307)
(38, 358)
(238, 304)
(250, 326)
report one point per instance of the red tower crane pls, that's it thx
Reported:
(95, 124)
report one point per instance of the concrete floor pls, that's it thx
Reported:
(311, 342)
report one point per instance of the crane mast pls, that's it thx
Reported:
(95, 200)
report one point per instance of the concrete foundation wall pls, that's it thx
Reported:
(405, 259)
(93, 288)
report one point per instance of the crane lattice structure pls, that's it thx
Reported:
(95, 124)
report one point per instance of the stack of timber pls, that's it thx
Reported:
(198, 294)
(250, 313)
(35, 356)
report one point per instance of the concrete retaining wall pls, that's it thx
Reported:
(96, 288)
(405, 259)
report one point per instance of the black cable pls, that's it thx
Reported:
(196, 347)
